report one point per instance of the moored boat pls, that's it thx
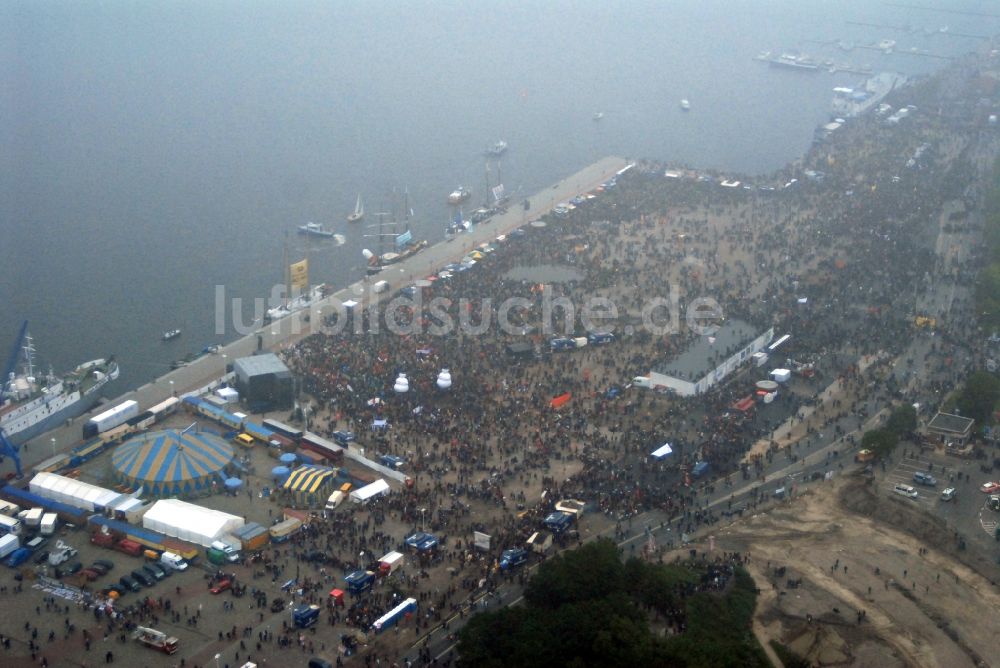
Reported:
(315, 230)
(459, 195)
(498, 149)
(171, 334)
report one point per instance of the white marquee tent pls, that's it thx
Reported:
(73, 492)
(189, 522)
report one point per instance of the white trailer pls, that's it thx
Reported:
(8, 544)
(111, 418)
(33, 517)
(48, 525)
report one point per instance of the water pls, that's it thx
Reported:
(154, 151)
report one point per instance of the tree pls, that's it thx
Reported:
(979, 396)
(880, 441)
(902, 421)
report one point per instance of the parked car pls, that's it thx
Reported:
(143, 577)
(991, 487)
(90, 574)
(104, 563)
(922, 478)
(73, 568)
(98, 568)
(155, 570)
(130, 583)
(41, 558)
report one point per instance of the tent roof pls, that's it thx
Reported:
(662, 451)
(76, 493)
(380, 486)
(309, 479)
(189, 519)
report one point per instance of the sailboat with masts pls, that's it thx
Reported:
(359, 211)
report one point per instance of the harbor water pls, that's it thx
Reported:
(155, 151)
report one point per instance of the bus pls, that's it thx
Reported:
(283, 429)
(321, 446)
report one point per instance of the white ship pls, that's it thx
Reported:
(31, 406)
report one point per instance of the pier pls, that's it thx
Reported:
(207, 369)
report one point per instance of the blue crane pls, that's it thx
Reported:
(6, 447)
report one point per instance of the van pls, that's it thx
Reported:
(246, 440)
(642, 381)
(905, 490)
(922, 478)
(173, 561)
(380, 287)
(948, 494)
(232, 554)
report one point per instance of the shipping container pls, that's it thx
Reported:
(110, 418)
(9, 509)
(33, 517)
(284, 429)
(322, 446)
(8, 543)
(282, 531)
(10, 525)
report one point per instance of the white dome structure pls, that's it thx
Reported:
(444, 379)
(402, 385)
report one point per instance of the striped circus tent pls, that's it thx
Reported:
(310, 485)
(171, 463)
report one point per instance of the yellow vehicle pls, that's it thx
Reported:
(864, 456)
(346, 487)
(246, 440)
(925, 321)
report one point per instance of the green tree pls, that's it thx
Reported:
(979, 397)
(902, 421)
(880, 441)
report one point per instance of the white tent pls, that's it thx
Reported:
(188, 522)
(662, 451)
(72, 492)
(365, 494)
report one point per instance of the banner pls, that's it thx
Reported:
(299, 273)
(403, 240)
(481, 540)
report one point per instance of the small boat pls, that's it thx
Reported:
(315, 230)
(497, 149)
(359, 211)
(172, 334)
(598, 115)
(459, 195)
(685, 105)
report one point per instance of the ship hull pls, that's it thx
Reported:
(58, 418)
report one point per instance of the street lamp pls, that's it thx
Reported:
(171, 388)
(217, 657)
(422, 511)
(53, 446)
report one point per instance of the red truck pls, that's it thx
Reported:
(129, 547)
(102, 539)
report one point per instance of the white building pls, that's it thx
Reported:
(710, 359)
(189, 522)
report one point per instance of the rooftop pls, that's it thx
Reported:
(260, 365)
(954, 424)
(707, 352)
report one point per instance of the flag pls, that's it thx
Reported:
(299, 272)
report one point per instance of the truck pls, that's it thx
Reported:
(391, 618)
(173, 561)
(129, 547)
(540, 542)
(18, 557)
(9, 509)
(154, 639)
(232, 554)
(390, 563)
(102, 539)
(48, 524)
(8, 543)
(562, 344)
(600, 338)
(513, 558)
(558, 521)
(10, 525)
(32, 518)
(283, 530)
(380, 286)
(335, 500)
(699, 470)
(304, 616)
(359, 581)
(110, 418)
(216, 557)
(61, 554)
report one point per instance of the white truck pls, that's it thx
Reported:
(62, 553)
(9, 509)
(48, 525)
(335, 500)
(8, 544)
(173, 561)
(33, 517)
(380, 287)
(232, 554)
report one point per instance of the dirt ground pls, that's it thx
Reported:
(848, 550)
